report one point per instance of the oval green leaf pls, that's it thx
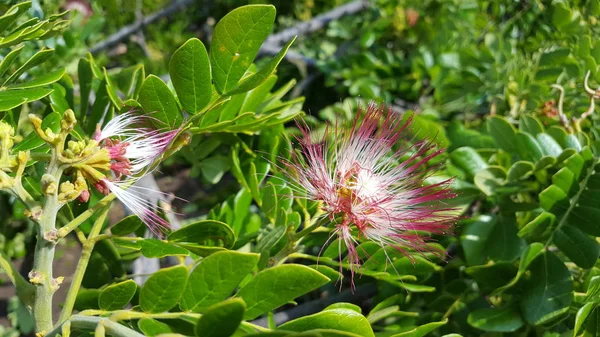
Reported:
(236, 41)
(342, 319)
(206, 233)
(496, 319)
(116, 296)
(548, 293)
(274, 287)
(222, 319)
(190, 73)
(163, 289)
(156, 99)
(215, 278)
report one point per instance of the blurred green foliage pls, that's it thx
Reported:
(479, 75)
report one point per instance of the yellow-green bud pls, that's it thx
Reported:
(48, 184)
(7, 133)
(68, 121)
(36, 278)
(57, 282)
(68, 192)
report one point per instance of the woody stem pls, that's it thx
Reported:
(41, 275)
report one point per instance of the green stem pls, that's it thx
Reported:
(309, 229)
(64, 231)
(126, 315)
(88, 247)
(41, 275)
(89, 323)
(25, 290)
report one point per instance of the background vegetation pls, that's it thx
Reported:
(499, 84)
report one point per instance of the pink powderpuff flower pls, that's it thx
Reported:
(367, 188)
(132, 144)
(134, 147)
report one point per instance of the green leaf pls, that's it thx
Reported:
(58, 99)
(32, 140)
(593, 290)
(215, 278)
(341, 319)
(156, 99)
(153, 248)
(10, 99)
(116, 296)
(85, 75)
(190, 73)
(255, 176)
(592, 326)
(531, 125)
(37, 59)
(236, 41)
(561, 14)
(87, 299)
(269, 198)
(222, 319)
(41, 80)
(214, 167)
(126, 226)
(205, 232)
(9, 59)
(111, 89)
(527, 147)
(548, 292)
(504, 243)
(577, 246)
(496, 319)
(261, 76)
(490, 179)
(492, 274)
(474, 238)
(376, 316)
(582, 314)
(422, 330)
(540, 227)
(529, 255)
(151, 327)
(554, 57)
(100, 109)
(163, 289)
(12, 14)
(503, 132)
(548, 74)
(520, 170)
(200, 250)
(274, 287)
(469, 160)
(549, 146)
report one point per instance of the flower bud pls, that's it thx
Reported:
(36, 278)
(68, 121)
(48, 184)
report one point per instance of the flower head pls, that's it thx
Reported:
(369, 188)
(132, 144)
(118, 155)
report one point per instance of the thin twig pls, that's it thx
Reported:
(274, 42)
